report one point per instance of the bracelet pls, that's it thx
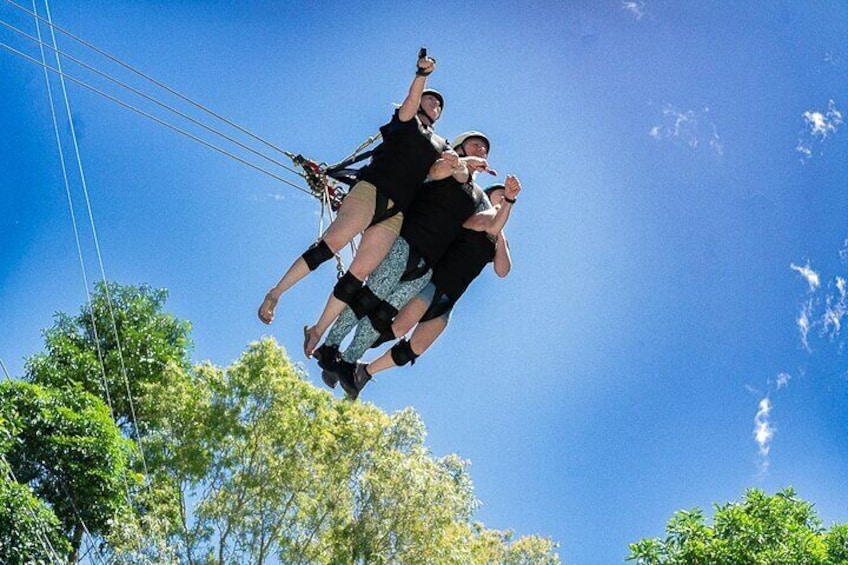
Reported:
(510, 200)
(421, 73)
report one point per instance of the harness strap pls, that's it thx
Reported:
(416, 266)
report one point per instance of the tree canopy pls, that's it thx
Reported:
(761, 530)
(63, 444)
(190, 464)
(280, 471)
(30, 533)
(115, 347)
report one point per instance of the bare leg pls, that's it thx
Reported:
(354, 216)
(427, 333)
(375, 245)
(422, 338)
(409, 315)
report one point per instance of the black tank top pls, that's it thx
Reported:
(463, 262)
(436, 215)
(401, 163)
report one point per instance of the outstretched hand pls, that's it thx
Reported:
(477, 164)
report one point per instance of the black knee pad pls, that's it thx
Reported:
(385, 335)
(318, 253)
(382, 316)
(402, 353)
(364, 302)
(441, 306)
(347, 288)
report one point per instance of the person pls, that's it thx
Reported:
(431, 309)
(437, 213)
(434, 220)
(410, 151)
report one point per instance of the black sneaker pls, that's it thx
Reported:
(344, 374)
(355, 381)
(328, 359)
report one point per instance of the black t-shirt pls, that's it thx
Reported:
(466, 258)
(436, 215)
(401, 163)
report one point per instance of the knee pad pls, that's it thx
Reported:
(364, 301)
(347, 288)
(382, 316)
(385, 335)
(402, 353)
(440, 306)
(318, 253)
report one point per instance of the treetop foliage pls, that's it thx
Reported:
(190, 464)
(780, 529)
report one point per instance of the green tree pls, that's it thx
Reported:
(761, 530)
(251, 464)
(65, 447)
(30, 533)
(117, 346)
(280, 471)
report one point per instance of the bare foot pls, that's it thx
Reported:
(310, 340)
(266, 310)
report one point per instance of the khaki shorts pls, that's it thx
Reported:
(367, 192)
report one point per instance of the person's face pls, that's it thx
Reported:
(497, 196)
(475, 147)
(432, 107)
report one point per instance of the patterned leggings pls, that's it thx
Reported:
(385, 283)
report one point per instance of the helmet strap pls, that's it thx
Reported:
(430, 121)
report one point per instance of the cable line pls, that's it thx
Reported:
(63, 163)
(84, 185)
(149, 78)
(149, 97)
(157, 120)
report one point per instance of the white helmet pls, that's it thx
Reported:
(463, 137)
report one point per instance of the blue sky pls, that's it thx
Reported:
(672, 331)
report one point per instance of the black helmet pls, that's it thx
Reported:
(494, 187)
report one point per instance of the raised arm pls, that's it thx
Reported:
(493, 220)
(410, 105)
(512, 188)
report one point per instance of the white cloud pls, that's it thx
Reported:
(809, 274)
(783, 380)
(692, 128)
(805, 149)
(763, 430)
(823, 124)
(827, 312)
(752, 390)
(635, 8)
(818, 126)
(804, 323)
(715, 142)
(835, 309)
